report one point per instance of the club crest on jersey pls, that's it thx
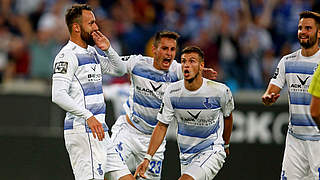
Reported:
(208, 104)
(61, 67)
(167, 77)
(99, 169)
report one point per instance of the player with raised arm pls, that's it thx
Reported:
(301, 159)
(77, 88)
(203, 111)
(149, 78)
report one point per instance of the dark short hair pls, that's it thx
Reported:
(74, 14)
(195, 49)
(165, 34)
(311, 14)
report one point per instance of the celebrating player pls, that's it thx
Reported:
(203, 111)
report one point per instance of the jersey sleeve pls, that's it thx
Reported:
(112, 63)
(227, 103)
(314, 87)
(279, 77)
(65, 66)
(166, 112)
(130, 61)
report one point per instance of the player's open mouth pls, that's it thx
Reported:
(166, 62)
(186, 73)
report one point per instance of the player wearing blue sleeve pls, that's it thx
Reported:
(301, 156)
(202, 110)
(77, 88)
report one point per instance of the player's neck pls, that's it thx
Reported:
(310, 51)
(77, 40)
(195, 84)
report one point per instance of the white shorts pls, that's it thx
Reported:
(133, 145)
(301, 160)
(90, 158)
(205, 165)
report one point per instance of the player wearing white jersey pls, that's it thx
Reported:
(77, 88)
(149, 78)
(203, 111)
(301, 159)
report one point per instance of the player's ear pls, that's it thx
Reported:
(76, 27)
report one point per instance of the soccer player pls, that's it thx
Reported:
(149, 78)
(203, 111)
(301, 156)
(77, 88)
(314, 90)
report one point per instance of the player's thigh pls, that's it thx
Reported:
(87, 155)
(295, 165)
(186, 177)
(205, 166)
(115, 167)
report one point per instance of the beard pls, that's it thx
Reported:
(87, 37)
(310, 42)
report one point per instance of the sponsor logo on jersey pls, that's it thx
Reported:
(303, 82)
(155, 88)
(94, 77)
(290, 57)
(300, 87)
(194, 116)
(93, 67)
(149, 92)
(60, 67)
(174, 90)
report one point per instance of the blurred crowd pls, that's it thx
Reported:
(242, 39)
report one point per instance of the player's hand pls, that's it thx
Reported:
(209, 73)
(96, 128)
(269, 99)
(227, 150)
(101, 40)
(141, 169)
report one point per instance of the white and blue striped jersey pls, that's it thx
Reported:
(77, 83)
(297, 71)
(146, 91)
(199, 115)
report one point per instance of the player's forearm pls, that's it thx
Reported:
(228, 122)
(157, 137)
(117, 65)
(62, 99)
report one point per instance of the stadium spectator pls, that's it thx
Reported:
(301, 160)
(77, 88)
(203, 111)
(314, 90)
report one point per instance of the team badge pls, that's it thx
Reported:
(99, 169)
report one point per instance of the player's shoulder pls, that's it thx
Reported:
(66, 51)
(291, 56)
(215, 85)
